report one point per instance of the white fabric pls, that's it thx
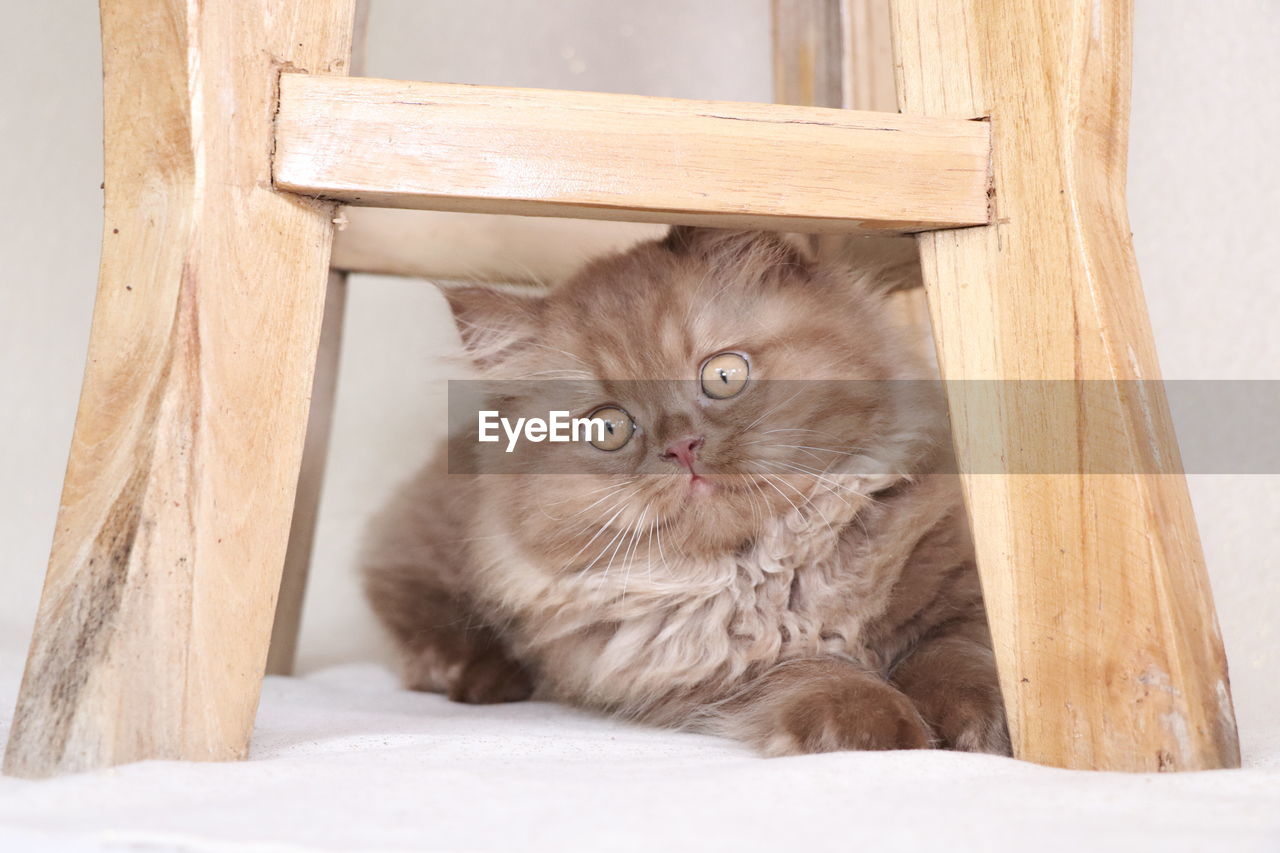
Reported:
(343, 760)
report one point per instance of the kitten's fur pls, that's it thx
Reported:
(823, 597)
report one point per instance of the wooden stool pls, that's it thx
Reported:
(231, 135)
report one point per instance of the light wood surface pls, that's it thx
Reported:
(526, 151)
(1103, 622)
(442, 246)
(306, 505)
(152, 632)
(315, 449)
(822, 49)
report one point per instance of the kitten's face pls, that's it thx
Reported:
(721, 361)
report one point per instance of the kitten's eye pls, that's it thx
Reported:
(618, 428)
(724, 375)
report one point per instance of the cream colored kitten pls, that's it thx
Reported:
(759, 548)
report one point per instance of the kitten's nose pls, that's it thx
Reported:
(684, 450)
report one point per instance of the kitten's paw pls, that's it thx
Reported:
(487, 676)
(971, 719)
(490, 678)
(953, 682)
(860, 714)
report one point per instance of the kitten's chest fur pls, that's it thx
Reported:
(654, 629)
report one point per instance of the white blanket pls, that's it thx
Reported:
(343, 760)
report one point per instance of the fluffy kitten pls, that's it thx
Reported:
(766, 555)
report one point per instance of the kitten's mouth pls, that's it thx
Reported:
(700, 486)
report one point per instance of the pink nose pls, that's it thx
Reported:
(684, 450)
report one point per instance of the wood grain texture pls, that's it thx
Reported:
(822, 49)
(315, 449)
(1103, 622)
(152, 631)
(306, 504)
(443, 246)
(525, 151)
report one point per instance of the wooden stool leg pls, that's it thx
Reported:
(152, 632)
(306, 507)
(1100, 609)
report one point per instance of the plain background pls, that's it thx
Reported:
(1204, 191)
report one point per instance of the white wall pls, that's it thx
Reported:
(1204, 187)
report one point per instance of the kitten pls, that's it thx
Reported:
(761, 552)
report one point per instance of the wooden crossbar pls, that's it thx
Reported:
(385, 143)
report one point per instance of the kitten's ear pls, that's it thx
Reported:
(682, 239)
(884, 265)
(727, 246)
(494, 324)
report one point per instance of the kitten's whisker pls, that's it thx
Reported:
(603, 528)
(760, 514)
(808, 500)
(629, 558)
(588, 567)
(809, 447)
(622, 485)
(771, 411)
(662, 551)
(565, 374)
(771, 445)
(614, 554)
(769, 481)
(579, 530)
(839, 438)
(608, 495)
(796, 466)
(821, 480)
(831, 491)
(648, 557)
